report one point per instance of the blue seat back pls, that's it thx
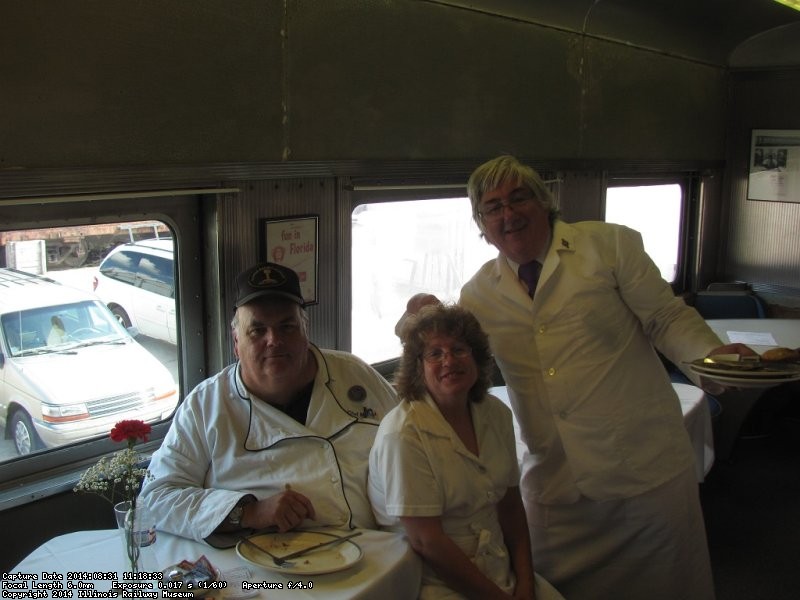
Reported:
(729, 305)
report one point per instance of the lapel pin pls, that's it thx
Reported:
(357, 393)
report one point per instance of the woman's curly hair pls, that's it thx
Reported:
(445, 319)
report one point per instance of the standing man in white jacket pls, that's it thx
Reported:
(279, 439)
(574, 314)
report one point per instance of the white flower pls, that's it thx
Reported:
(119, 474)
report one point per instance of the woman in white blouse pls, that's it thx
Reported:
(444, 469)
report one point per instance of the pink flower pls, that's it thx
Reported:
(130, 430)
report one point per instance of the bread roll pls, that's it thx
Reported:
(781, 355)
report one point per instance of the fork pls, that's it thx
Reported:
(276, 559)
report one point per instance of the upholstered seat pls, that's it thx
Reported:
(729, 305)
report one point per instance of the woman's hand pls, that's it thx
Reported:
(458, 572)
(515, 533)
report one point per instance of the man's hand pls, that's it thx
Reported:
(714, 388)
(415, 303)
(739, 349)
(285, 510)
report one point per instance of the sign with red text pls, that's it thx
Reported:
(293, 243)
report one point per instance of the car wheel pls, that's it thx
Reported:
(26, 440)
(121, 316)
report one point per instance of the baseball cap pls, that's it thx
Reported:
(268, 279)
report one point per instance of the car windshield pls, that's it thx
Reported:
(60, 327)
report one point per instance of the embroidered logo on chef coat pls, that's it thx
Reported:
(358, 393)
(364, 413)
(367, 413)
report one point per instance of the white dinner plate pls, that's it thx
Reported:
(757, 372)
(746, 379)
(325, 560)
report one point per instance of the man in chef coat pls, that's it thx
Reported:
(279, 439)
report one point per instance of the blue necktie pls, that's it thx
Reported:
(529, 273)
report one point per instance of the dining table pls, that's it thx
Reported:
(92, 563)
(696, 417)
(738, 402)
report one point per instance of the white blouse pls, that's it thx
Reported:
(420, 468)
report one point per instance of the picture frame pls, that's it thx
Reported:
(293, 242)
(774, 168)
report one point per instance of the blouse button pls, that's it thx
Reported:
(542, 328)
(551, 371)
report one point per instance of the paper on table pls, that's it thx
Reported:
(235, 579)
(751, 338)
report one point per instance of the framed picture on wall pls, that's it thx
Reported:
(774, 170)
(292, 242)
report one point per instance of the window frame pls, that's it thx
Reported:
(389, 192)
(30, 478)
(689, 184)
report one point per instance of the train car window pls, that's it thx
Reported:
(87, 333)
(403, 248)
(655, 211)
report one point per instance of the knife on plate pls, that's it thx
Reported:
(332, 542)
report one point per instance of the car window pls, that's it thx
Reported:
(155, 275)
(121, 266)
(58, 325)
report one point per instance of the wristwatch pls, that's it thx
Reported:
(237, 512)
(235, 516)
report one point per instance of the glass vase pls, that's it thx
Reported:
(138, 532)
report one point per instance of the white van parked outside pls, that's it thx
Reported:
(68, 370)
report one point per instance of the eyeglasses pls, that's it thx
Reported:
(492, 212)
(437, 355)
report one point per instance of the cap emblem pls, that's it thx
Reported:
(267, 277)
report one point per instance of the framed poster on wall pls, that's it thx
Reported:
(774, 165)
(292, 242)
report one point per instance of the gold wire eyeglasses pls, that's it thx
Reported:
(437, 355)
(492, 212)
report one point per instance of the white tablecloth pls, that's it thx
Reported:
(759, 334)
(388, 569)
(696, 417)
(737, 404)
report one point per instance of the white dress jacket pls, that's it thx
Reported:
(225, 443)
(594, 404)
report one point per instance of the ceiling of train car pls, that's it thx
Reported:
(703, 30)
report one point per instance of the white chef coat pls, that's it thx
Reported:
(225, 443)
(593, 401)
